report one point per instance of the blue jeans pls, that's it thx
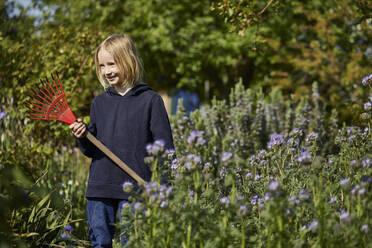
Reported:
(101, 213)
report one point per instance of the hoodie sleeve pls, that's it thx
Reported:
(159, 123)
(86, 147)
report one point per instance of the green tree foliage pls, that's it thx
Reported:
(182, 43)
(286, 44)
(306, 41)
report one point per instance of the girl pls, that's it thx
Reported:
(126, 117)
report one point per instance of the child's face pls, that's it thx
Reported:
(109, 68)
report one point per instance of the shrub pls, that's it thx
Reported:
(259, 171)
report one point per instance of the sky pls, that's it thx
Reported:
(24, 3)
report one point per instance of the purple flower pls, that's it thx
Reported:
(239, 198)
(164, 204)
(333, 200)
(225, 200)
(196, 137)
(127, 186)
(170, 153)
(304, 157)
(174, 164)
(263, 162)
(275, 140)
(268, 196)
(366, 162)
(255, 199)
(297, 131)
(126, 205)
(223, 172)
(226, 156)
(2, 114)
(261, 153)
(192, 158)
(291, 142)
(345, 217)
(350, 129)
(355, 189)
(155, 148)
(293, 200)
(149, 148)
(65, 236)
(191, 195)
(274, 185)
(242, 210)
(344, 182)
(364, 228)
(303, 194)
(168, 191)
(68, 228)
(137, 206)
(314, 225)
(257, 177)
(160, 143)
(365, 179)
(193, 135)
(367, 106)
(150, 187)
(362, 191)
(311, 137)
(367, 79)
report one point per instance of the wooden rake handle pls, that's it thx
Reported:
(114, 158)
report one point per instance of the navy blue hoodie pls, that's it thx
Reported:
(125, 124)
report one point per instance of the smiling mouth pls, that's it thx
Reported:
(110, 78)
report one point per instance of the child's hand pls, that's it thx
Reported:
(78, 128)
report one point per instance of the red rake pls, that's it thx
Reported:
(49, 103)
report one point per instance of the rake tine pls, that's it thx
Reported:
(43, 97)
(36, 94)
(57, 109)
(28, 102)
(50, 99)
(63, 102)
(37, 110)
(41, 90)
(55, 94)
(46, 88)
(50, 86)
(32, 103)
(55, 84)
(35, 118)
(34, 91)
(40, 102)
(40, 107)
(60, 85)
(59, 81)
(37, 115)
(54, 80)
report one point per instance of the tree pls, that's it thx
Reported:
(287, 44)
(307, 41)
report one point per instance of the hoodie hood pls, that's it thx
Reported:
(136, 90)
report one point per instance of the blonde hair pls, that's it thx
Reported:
(124, 52)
